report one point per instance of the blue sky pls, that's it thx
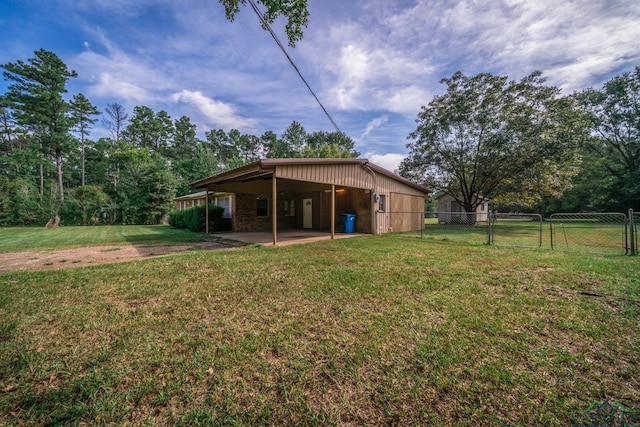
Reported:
(373, 63)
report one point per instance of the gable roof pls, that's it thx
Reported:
(266, 167)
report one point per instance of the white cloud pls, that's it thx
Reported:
(574, 43)
(353, 65)
(115, 87)
(373, 124)
(117, 75)
(218, 114)
(389, 161)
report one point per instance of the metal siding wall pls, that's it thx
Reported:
(344, 175)
(407, 212)
(389, 187)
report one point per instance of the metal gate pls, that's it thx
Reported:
(589, 232)
(515, 230)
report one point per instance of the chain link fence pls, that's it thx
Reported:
(598, 233)
(589, 232)
(466, 227)
(516, 230)
(634, 219)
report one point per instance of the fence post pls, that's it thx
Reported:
(633, 242)
(490, 224)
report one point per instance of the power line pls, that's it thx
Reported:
(266, 25)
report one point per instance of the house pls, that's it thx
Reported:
(311, 194)
(224, 200)
(450, 211)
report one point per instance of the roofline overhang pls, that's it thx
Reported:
(252, 170)
(266, 167)
(198, 195)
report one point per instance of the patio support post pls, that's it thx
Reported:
(333, 210)
(206, 210)
(274, 206)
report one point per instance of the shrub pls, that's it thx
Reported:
(194, 218)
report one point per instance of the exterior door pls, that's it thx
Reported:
(307, 213)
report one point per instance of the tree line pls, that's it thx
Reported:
(49, 165)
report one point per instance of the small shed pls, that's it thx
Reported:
(284, 194)
(450, 211)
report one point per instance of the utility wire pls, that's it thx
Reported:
(266, 25)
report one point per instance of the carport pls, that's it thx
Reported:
(280, 195)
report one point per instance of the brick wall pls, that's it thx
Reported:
(246, 218)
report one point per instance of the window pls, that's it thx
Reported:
(262, 207)
(224, 202)
(290, 207)
(382, 203)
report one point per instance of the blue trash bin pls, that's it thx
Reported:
(347, 222)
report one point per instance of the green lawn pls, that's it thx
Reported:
(586, 236)
(372, 330)
(16, 239)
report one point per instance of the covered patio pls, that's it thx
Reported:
(292, 197)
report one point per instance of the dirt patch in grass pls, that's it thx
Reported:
(94, 255)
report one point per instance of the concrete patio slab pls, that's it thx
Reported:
(283, 238)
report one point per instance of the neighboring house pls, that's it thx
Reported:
(224, 200)
(450, 211)
(283, 194)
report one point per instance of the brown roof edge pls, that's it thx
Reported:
(397, 177)
(270, 163)
(311, 161)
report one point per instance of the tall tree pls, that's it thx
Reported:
(8, 127)
(184, 138)
(485, 134)
(247, 147)
(150, 130)
(295, 11)
(614, 113)
(295, 137)
(10, 139)
(223, 147)
(35, 95)
(185, 155)
(81, 112)
(275, 147)
(117, 119)
(330, 144)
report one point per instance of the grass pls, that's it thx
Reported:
(13, 239)
(362, 331)
(572, 236)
